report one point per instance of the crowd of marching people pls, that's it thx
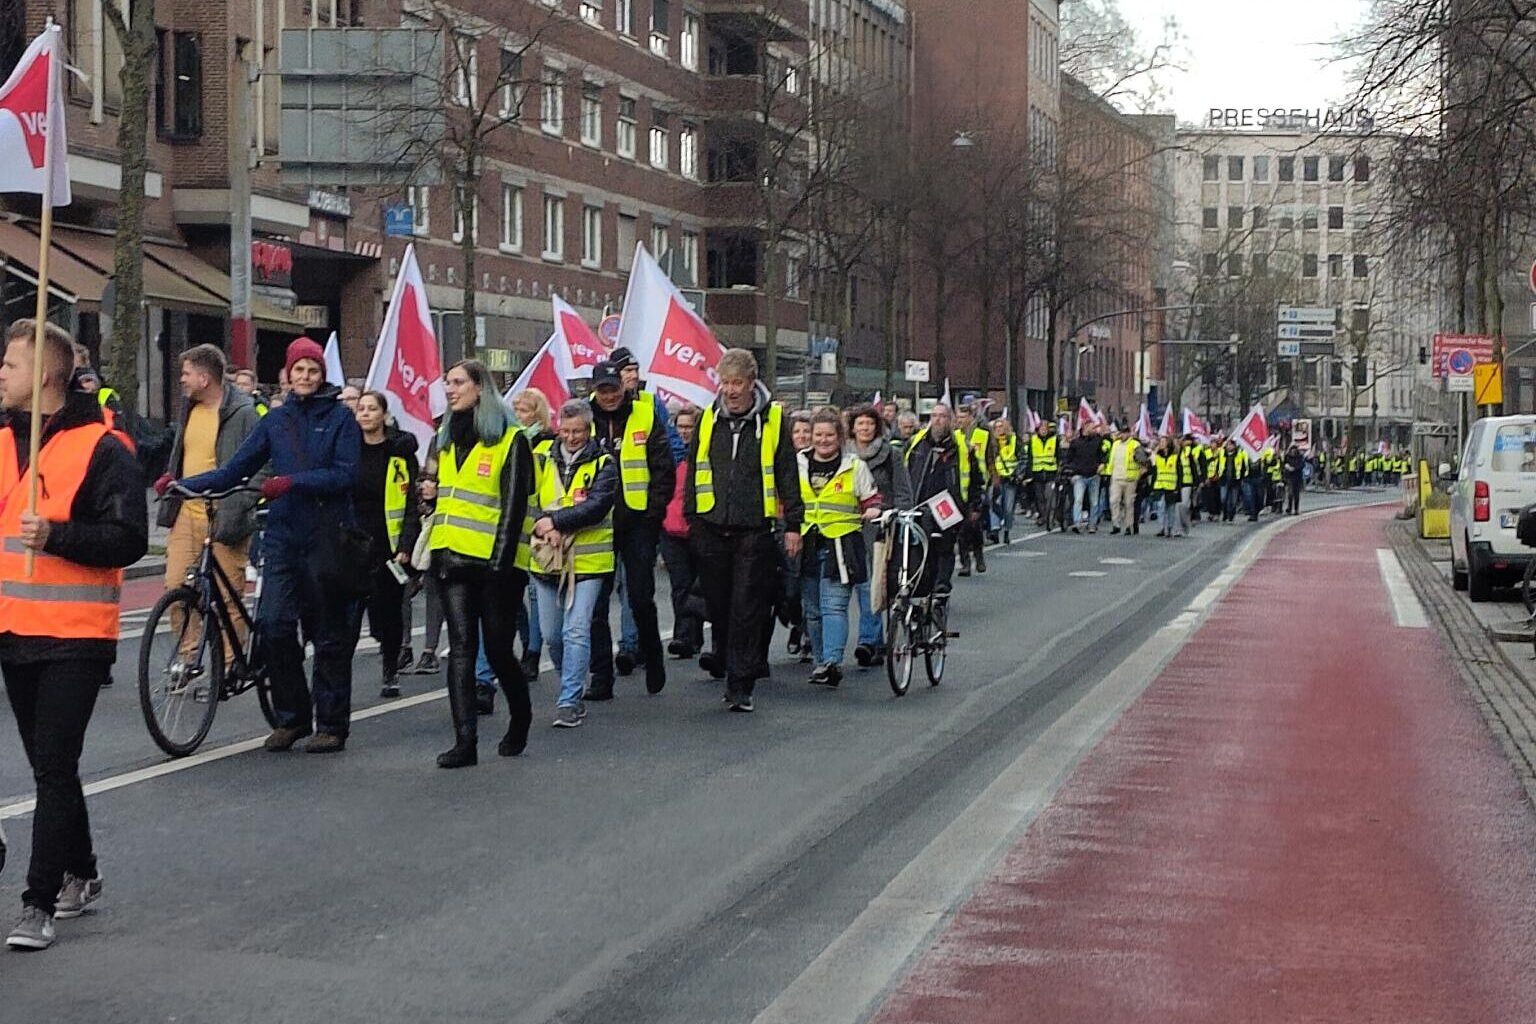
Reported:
(521, 524)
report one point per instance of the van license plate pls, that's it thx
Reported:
(1507, 520)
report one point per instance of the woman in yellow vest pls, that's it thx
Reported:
(480, 552)
(1006, 446)
(574, 496)
(386, 485)
(1167, 483)
(839, 494)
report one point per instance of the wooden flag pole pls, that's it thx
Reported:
(44, 245)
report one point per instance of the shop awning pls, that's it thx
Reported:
(80, 266)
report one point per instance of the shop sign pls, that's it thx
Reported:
(272, 263)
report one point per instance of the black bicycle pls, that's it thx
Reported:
(193, 654)
(916, 619)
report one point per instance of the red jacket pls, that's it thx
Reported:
(674, 522)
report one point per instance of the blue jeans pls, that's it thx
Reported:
(871, 627)
(629, 633)
(569, 632)
(1251, 498)
(1085, 485)
(1002, 519)
(826, 611)
(1229, 493)
(483, 674)
(1101, 507)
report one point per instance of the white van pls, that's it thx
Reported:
(1496, 480)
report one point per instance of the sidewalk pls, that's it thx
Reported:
(1304, 818)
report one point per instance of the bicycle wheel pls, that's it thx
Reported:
(900, 648)
(1528, 587)
(179, 701)
(936, 650)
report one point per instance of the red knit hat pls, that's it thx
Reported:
(303, 348)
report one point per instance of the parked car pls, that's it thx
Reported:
(1496, 480)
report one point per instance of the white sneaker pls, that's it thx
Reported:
(33, 931)
(76, 894)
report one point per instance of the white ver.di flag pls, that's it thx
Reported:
(32, 132)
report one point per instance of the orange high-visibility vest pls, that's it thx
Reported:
(61, 599)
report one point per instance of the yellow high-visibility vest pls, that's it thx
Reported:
(1167, 478)
(1131, 445)
(961, 447)
(397, 487)
(469, 498)
(592, 547)
(1007, 456)
(634, 471)
(1042, 453)
(704, 474)
(834, 510)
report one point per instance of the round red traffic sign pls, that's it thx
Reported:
(1460, 361)
(608, 330)
(1533, 276)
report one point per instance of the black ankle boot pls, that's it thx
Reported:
(461, 704)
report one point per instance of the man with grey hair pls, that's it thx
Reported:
(741, 468)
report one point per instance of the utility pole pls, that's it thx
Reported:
(242, 334)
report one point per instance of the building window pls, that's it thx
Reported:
(1336, 168)
(628, 235)
(1260, 264)
(658, 141)
(1335, 218)
(420, 199)
(513, 91)
(1212, 168)
(554, 228)
(552, 102)
(459, 197)
(1309, 220)
(690, 249)
(1287, 219)
(1234, 168)
(591, 12)
(624, 16)
(1210, 217)
(660, 30)
(1336, 373)
(1362, 267)
(466, 75)
(625, 143)
(1362, 168)
(1210, 264)
(688, 43)
(1335, 264)
(792, 277)
(1260, 217)
(592, 114)
(178, 85)
(511, 218)
(1261, 168)
(1309, 168)
(591, 236)
(1234, 217)
(688, 152)
(1309, 264)
(660, 243)
(1235, 265)
(1287, 168)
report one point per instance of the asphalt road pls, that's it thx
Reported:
(669, 861)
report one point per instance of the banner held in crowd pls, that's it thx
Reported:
(407, 366)
(1252, 432)
(333, 371)
(569, 354)
(676, 352)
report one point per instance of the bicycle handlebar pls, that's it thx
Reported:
(182, 492)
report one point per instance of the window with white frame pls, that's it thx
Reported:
(591, 236)
(591, 12)
(592, 114)
(688, 151)
(511, 217)
(513, 90)
(624, 144)
(660, 243)
(792, 80)
(552, 101)
(459, 198)
(661, 33)
(791, 277)
(690, 248)
(624, 16)
(420, 200)
(658, 141)
(688, 43)
(466, 73)
(554, 228)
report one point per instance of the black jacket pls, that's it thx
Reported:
(735, 450)
(516, 485)
(1082, 455)
(108, 524)
(936, 467)
(397, 444)
(233, 519)
(602, 494)
(609, 428)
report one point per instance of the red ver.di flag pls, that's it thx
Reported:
(570, 353)
(406, 364)
(945, 511)
(677, 353)
(1253, 433)
(32, 116)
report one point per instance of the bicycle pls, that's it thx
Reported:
(184, 675)
(1061, 512)
(915, 623)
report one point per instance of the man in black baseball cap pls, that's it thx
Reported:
(627, 426)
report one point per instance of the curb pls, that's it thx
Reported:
(1506, 700)
(144, 569)
(1506, 635)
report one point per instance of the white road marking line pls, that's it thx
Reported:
(1088, 574)
(850, 977)
(1407, 612)
(1117, 561)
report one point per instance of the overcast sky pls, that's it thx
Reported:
(1250, 54)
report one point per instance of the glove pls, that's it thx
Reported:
(275, 487)
(163, 484)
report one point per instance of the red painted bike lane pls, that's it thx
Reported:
(1302, 819)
